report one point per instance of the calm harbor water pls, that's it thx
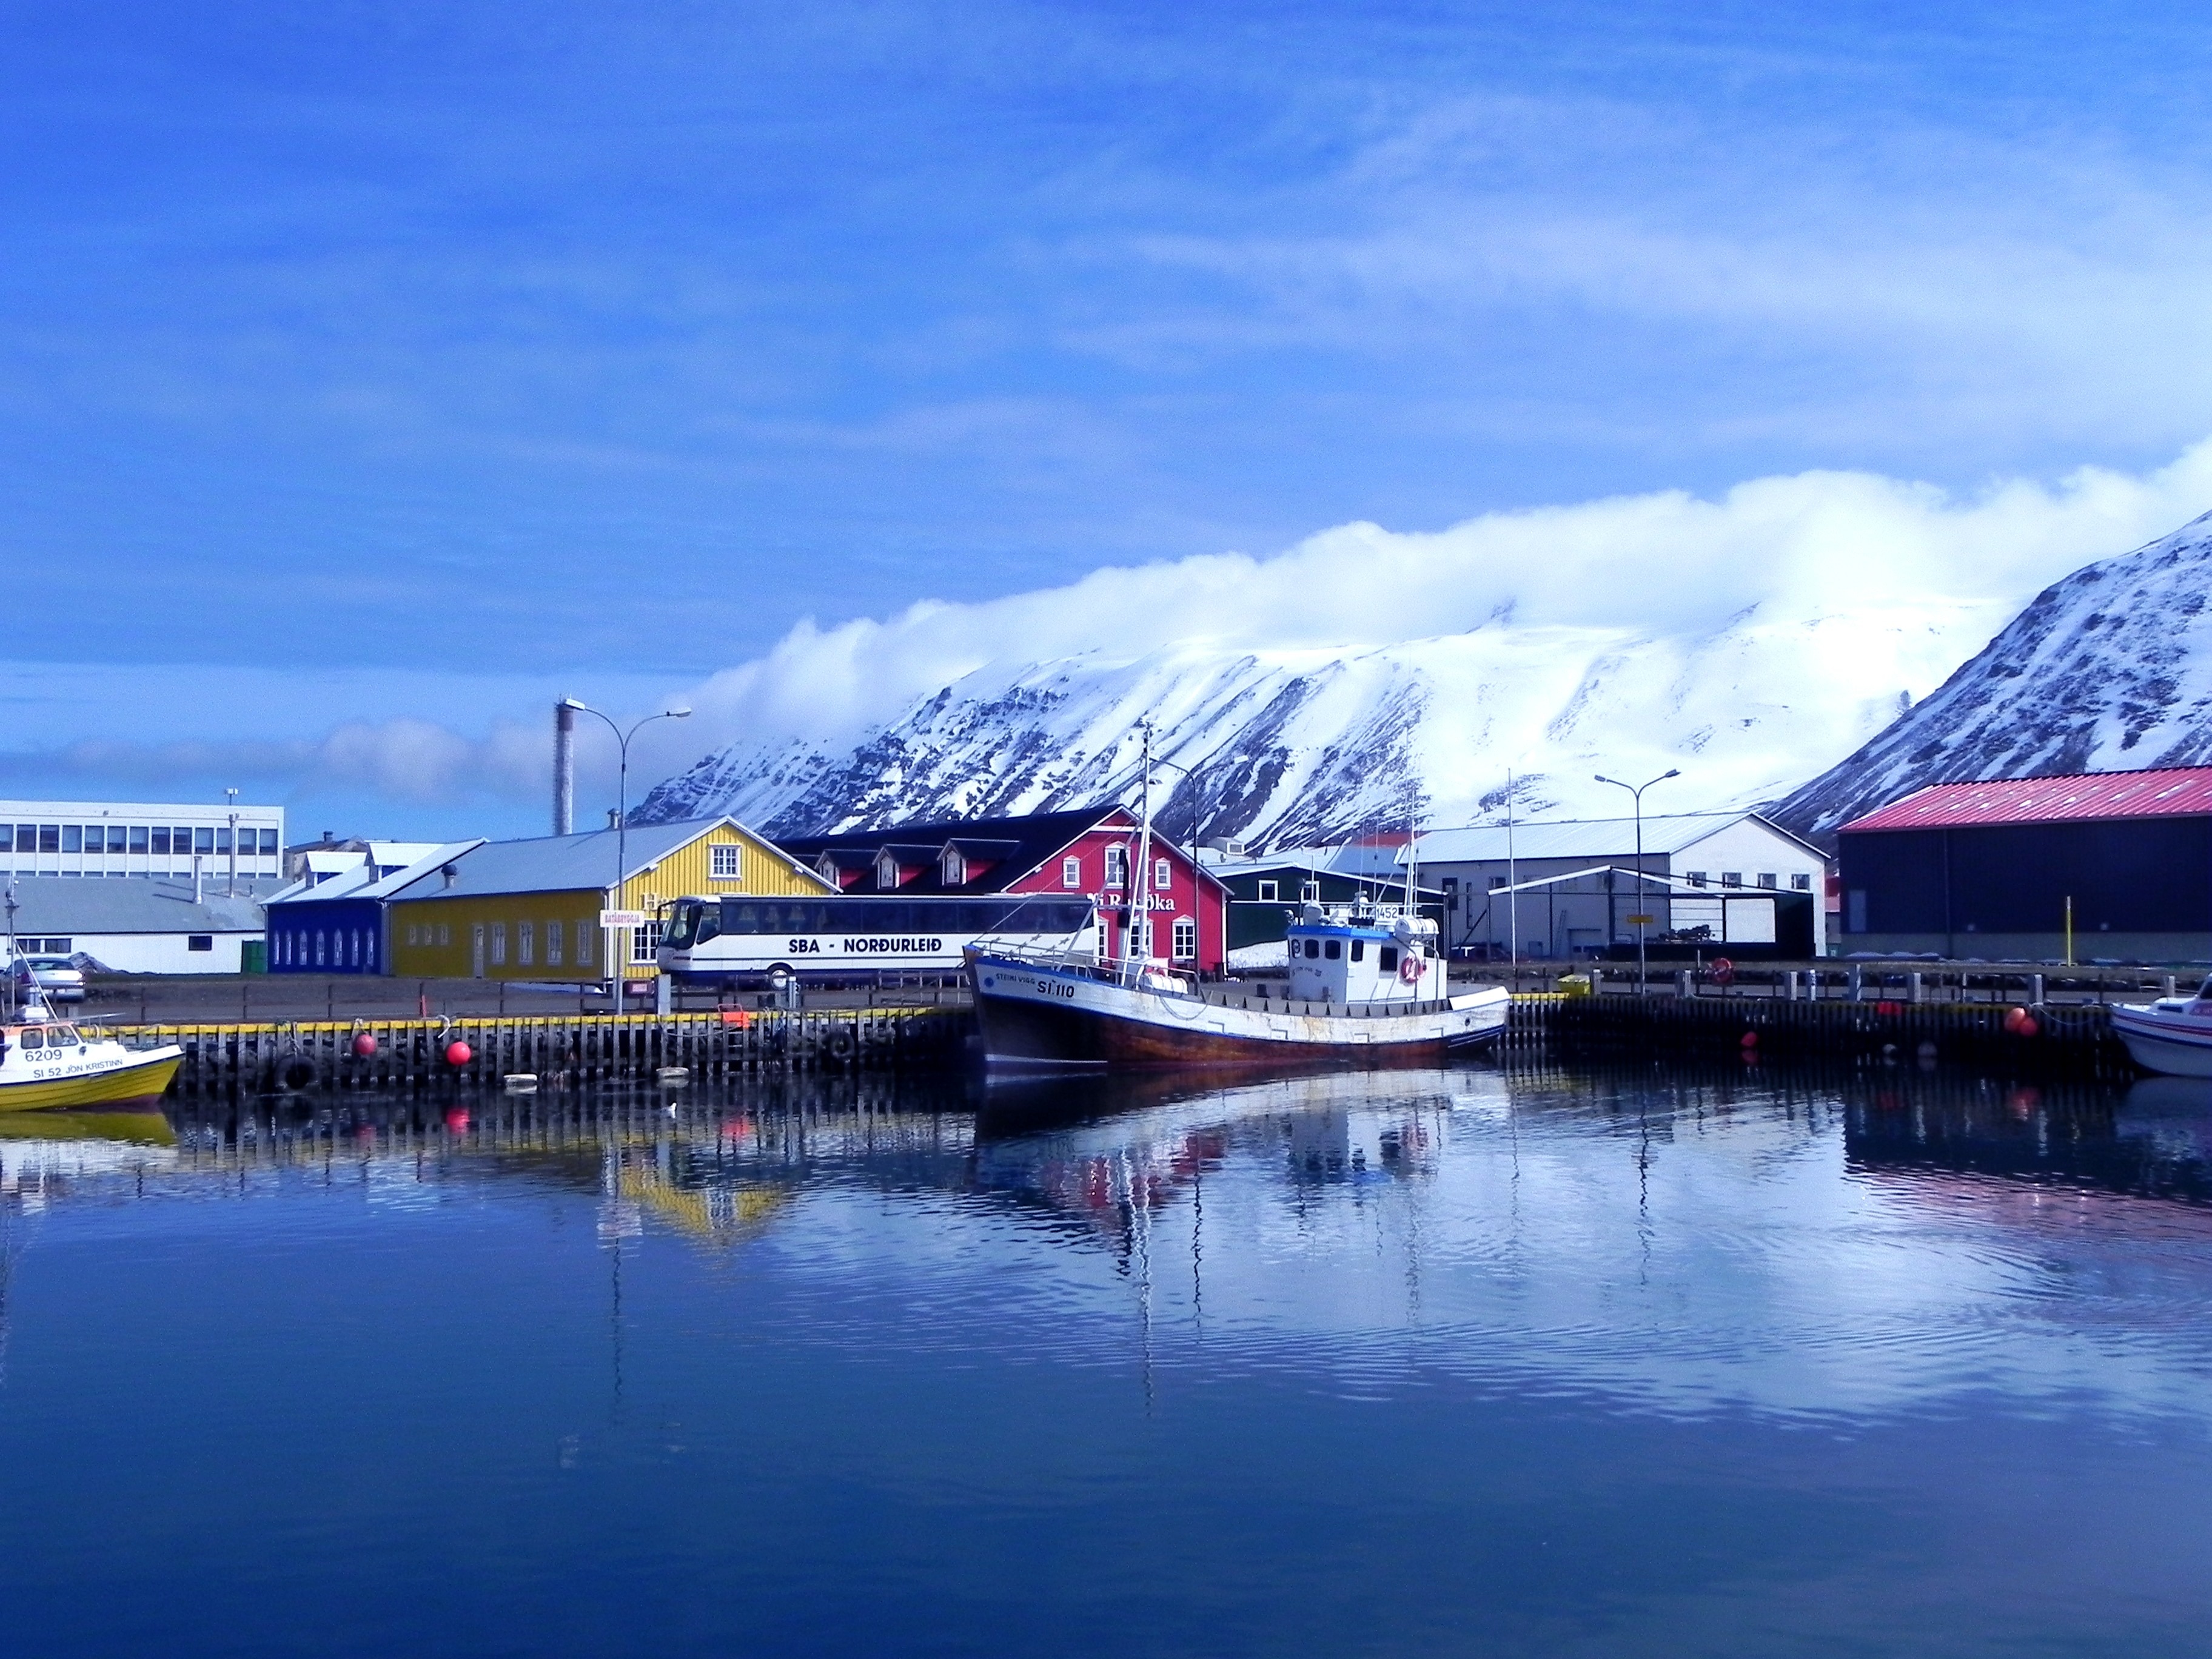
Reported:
(1462, 1361)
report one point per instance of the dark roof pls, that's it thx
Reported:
(2165, 793)
(1019, 845)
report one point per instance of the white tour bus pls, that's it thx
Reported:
(729, 941)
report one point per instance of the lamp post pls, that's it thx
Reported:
(1636, 791)
(615, 970)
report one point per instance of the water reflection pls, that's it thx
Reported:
(1740, 1360)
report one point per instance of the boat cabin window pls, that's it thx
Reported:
(63, 1036)
(1313, 948)
(1387, 962)
(1359, 949)
(1334, 950)
(33, 1040)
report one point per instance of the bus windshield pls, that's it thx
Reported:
(690, 923)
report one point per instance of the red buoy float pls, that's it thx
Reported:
(459, 1052)
(364, 1045)
(1724, 971)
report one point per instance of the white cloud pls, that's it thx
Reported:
(1939, 573)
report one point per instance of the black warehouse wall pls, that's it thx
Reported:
(2134, 875)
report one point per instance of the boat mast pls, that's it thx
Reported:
(11, 946)
(1140, 901)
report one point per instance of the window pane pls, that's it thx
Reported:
(202, 839)
(160, 841)
(222, 839)
(180, 840)
(72, 838)
(138, 838)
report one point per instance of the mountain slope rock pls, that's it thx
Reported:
(2110, 669)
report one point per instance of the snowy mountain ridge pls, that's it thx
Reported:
(1306, 746)
(2108, 669)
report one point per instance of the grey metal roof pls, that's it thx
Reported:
(1586, 838)
(127, 904)
(362, 882)
(552, 864)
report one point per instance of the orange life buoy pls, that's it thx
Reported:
(1410, 969)
(1724, 971)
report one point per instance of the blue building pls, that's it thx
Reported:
(333, 921)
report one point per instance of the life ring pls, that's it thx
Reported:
(1410, 969)
(1724, 971)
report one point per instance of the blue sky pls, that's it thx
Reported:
(361, 362)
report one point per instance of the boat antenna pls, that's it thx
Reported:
(11, 945)
(1141, 909)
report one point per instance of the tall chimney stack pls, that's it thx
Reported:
(564, 768)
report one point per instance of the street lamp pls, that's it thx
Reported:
(621, 806)
(1637, 790)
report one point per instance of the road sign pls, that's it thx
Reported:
(622, 918)
(1642, 922)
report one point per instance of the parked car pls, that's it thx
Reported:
(60, 979)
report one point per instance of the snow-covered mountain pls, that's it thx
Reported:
(1294, 747)
(2108, 668)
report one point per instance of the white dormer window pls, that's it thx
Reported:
(1071, 873)
(1117, 865)
(826, 866)
(952, 868)
(886, 872)
(1163, 874)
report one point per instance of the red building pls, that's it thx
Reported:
(1088, 853)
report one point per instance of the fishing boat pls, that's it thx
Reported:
(1366, 987)
(49, 1065)
(2171, 1036)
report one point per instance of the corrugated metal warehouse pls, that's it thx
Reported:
(1703, 864)
(1992, 869)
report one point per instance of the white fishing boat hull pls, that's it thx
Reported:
(2170, 1036)
(1045, 1017)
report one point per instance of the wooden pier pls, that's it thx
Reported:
(2059, 1040)
(296, 1056)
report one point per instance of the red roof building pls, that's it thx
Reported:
(2168, 793)
(2094, 867)
(1084, 854)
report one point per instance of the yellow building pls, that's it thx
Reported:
(529, 909)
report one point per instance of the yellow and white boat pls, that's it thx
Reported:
(52, 1066)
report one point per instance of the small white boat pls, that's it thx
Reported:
(53, 1066)
(49, 1065)
(2173, 1035)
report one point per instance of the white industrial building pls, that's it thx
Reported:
(1716, 871)
(223, 845)
(135, 926)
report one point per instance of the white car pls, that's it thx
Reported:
(60, 979)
